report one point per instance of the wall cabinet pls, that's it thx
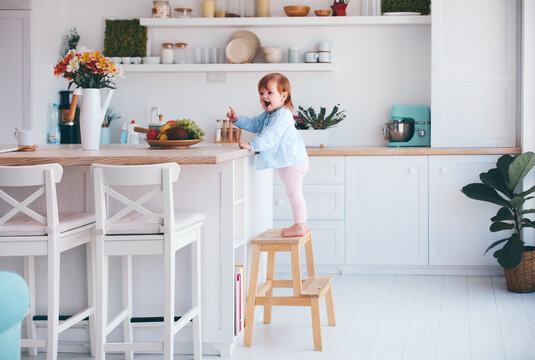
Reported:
(473, 73)
(458, 226)
(386, 210)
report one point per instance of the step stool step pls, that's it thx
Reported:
(273, 236)
(316, 287)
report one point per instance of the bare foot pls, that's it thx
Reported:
(294, 230)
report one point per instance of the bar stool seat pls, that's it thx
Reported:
(127, 227)
(28, 233)
(306, 292)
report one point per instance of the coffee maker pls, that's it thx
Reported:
(69, 128)
(410, 125)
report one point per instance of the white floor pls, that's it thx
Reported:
(401, 317)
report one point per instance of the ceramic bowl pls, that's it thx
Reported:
(272, 54)
(151, 60)
(239, 51)
(297, 10)
(322, 12)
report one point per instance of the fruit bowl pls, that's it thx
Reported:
(297, 10)
(173, 144)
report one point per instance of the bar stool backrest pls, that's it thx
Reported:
(46, 175)
(106, 176)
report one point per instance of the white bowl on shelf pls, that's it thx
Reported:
(272, 54)
(152, 60)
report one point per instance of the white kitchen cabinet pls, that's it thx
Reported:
(473, 73)
(15, 69)
(324, 191)
(386, 210)
(458, 226)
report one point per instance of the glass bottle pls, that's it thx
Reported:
(53, 124)
(168, 55)
(180, 53)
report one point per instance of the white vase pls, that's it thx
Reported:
(315, 138)
(91, 117)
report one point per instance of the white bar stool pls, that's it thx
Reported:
(143, 233)
(33, 234)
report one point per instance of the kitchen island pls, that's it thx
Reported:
(219, 180)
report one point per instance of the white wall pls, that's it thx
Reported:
(375, 67)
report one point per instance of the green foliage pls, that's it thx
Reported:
(71, 41)
(307, 118)
(109, 117)
(499, 187)
(421, 6)
(125, 38)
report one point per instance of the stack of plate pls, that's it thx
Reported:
(242, 47)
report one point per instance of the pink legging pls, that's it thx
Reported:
(292, 176)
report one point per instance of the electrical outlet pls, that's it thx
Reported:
(216, 77)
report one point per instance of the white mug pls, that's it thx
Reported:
(324, 57)
(24, 137)
(311, 57)
(325, 46)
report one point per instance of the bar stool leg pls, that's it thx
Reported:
(316, 325)
(100, 298)
(29, 276)
(127, 302)
(169, 302)
(196, 296)
(53, 300)
(90, 268)
(270, 275)
(329, 304)
(251, 298)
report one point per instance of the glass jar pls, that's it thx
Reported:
(182, 12)
(181, 53)
(168, 55)
(161, 9)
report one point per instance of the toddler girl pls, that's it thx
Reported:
(279, 144)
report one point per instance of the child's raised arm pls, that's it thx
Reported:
(232, 115)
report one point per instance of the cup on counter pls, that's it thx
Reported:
(324, 57)
(311, 57)
(24, 137)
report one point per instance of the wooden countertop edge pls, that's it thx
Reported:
(379, 151)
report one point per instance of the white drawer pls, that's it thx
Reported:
(324, 202)
(323, 170)
(328, 239)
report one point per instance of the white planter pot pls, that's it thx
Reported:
(315, 138)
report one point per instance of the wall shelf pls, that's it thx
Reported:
(260, 67)
(288, 21)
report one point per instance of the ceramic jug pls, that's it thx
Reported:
(91, 116)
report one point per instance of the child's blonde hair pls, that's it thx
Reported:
(283, 84)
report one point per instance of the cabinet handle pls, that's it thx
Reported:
(279, 202)
(412, 170)
(443, 170)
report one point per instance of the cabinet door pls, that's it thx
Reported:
(386, 210)
(14, 71)
(458, 226)
(328, 242)
(322, 170)
(474, 54)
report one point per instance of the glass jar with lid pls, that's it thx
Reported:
(181, 53)
(168, 55)
(183, 12)
(161, 9)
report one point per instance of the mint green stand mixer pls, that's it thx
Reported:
(410, 125)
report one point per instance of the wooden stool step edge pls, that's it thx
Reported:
(273, 236)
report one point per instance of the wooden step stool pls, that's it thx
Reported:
(307, 292)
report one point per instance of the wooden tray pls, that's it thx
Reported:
(173, 144)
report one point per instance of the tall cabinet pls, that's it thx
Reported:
(474, 73)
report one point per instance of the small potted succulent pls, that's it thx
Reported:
(314, 126)
(501, 186)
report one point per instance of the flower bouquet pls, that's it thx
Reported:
(88, 70)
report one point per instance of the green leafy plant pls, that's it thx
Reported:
(125, 38)
(500, 186)
(421, 6)
(308, 118)
(109, 117)
(71, 41)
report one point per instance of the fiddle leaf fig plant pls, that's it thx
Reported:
(500, 186)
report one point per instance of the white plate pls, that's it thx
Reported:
(250, 36)
(239, 50)
(401, 14)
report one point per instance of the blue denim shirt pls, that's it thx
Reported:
(278, 142)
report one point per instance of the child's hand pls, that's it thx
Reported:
(243, 145)
(232, 115)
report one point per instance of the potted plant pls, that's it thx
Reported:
(314, 127)
(500, 186)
